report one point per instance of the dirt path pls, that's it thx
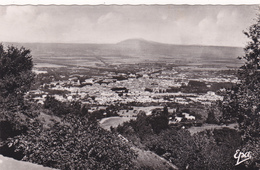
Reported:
(7, 163)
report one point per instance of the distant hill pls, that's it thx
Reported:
(136, 41)
(133, 51)
(181, 50)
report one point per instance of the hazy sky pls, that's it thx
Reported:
(200, 25)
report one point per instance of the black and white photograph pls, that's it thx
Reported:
(137, 87)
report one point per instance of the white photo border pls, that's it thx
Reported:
(129, 2)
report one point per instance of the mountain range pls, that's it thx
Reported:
(134, 51)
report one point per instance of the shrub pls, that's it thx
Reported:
(16, 74)
(73, 144)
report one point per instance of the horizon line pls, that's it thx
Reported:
(140, 39)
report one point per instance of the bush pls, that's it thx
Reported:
(73, 144)
(16, 74)
(211, 119)
(62, 108)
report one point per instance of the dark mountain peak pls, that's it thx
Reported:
(136, 41)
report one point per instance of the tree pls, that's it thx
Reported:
(215, 113)
(243, 101)
(159, 120)
(16, 77)
(16, 74)
(211, 119)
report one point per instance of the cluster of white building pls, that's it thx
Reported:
(97, 90)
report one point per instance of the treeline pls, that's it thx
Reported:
(201, 87)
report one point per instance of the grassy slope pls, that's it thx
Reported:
(152, 161)
(194, 129)
(105, 123)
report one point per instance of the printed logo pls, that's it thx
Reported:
(242, 157)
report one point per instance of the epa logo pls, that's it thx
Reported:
(242, 157)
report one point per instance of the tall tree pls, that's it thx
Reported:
(16, 73)
(243, 101)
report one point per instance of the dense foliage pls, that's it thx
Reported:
(63, 141)
(59, 108)
(207, 149)
(146, 125)
(242, 102)
(15, 71)
(73, 143)
(16, 77)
